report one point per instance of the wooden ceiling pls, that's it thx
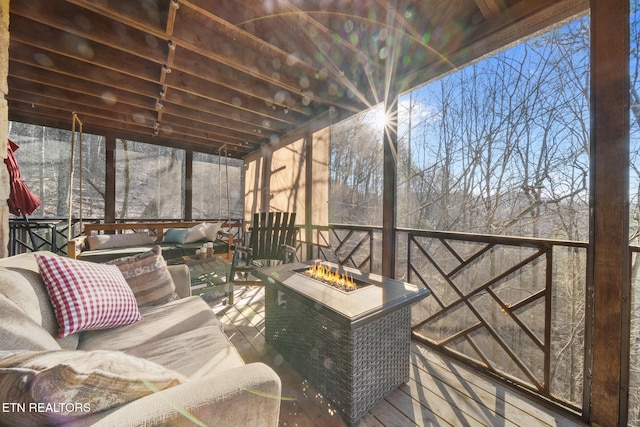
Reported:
(236, 74)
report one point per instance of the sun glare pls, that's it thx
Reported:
(380, 118)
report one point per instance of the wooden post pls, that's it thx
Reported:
(308, 194)
(188, 184)
(110, 180)
(608, 256)
(265, 179)
(390, 141)
(389, 196)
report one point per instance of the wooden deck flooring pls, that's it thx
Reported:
(440, 392)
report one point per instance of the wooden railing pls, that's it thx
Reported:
(350, 245)
(512, 307)
(50, 234)
(39, 234)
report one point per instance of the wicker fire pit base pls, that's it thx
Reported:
(353, 360)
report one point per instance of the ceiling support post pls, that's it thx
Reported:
(389, 195)
(608, 278)
(188, 184)
(390, 152)
(110, 180)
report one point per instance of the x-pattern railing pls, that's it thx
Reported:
(346, 245)
(491, 301)
(513, 307)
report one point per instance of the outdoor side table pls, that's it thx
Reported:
(207, 273)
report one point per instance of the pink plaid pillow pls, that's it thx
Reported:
(86, 295)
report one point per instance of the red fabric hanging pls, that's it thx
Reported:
(22, 201)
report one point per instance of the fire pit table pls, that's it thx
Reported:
(353, 346)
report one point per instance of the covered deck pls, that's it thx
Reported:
(441, 390)
(186, 74)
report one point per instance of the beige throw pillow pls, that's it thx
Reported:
(48, 387)
(148, 277)
(196, 233)
(211, 230)
(109, 241)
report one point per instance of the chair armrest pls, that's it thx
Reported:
(289, 253)
(228, 236)
(243, 249)
(181, 278)
(244, 396)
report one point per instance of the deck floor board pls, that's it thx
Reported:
(440, 392)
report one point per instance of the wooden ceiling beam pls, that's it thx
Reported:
(149, 19)
(488, 38)
(489, 8)
(211, 120)
(91, 125)
(204, 89)
(245, 52)
(325, 47)
(126, 115)
(225, 76)
(86, 26)
(204, 129)
(236, 65)
(52, 40)
(131, 116)
(69, 72)
(181, 37)
(40, 80)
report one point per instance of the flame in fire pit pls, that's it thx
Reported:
(324, 273)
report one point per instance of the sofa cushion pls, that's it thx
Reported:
(158, 322)
(148, 277)
(21, 283)
(20, 332)
(195, 353)
(75, 383)
(87, 296)
(108, 241)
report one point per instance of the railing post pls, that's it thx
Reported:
(548, 284)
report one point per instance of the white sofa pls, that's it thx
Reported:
(182, 340)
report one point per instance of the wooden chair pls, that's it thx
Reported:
(272, 240)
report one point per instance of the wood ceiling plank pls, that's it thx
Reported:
(124, 114)
(51, 39)
(70, 72)
(64, 116)
(240, 57)
(39, 83)
(84, 104)
(489, 8)
(212, 71)
(195, 145)
(243, 51)
(21, 112)
(150, 16)
(199, 128)
(247, 130)
(88, 25)
(30, 77)
(320, 38)
(232, 99)
(214, 134)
